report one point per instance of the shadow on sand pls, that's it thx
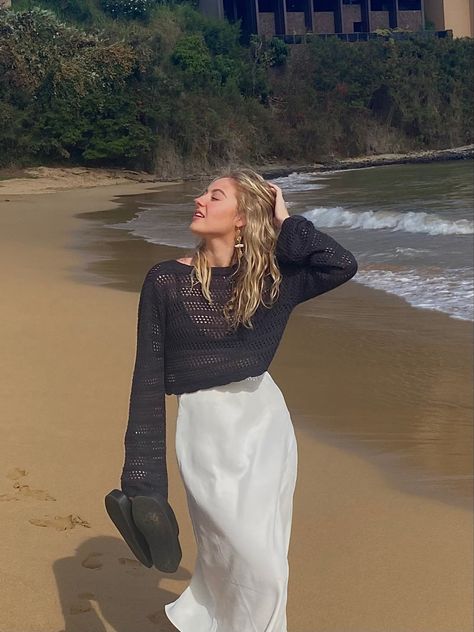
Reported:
(104, 583)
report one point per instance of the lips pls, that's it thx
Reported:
(198, 215)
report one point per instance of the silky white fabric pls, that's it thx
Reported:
(237, 456)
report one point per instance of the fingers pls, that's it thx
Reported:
(275, 187)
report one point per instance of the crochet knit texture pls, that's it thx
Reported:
(184, 343)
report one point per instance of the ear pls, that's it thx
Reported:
(241, 221)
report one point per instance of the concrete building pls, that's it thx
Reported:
(457, 15)
(297, 17)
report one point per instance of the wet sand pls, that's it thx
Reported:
(366, 554)
(404, 400)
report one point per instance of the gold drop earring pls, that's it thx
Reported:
(238, 243)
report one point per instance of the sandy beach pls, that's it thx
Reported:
(365, 556)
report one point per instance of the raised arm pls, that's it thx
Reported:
(145, 468)
(320, 263)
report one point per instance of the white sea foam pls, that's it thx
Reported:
(451, 291)
(410, 252)
(409, 221)
(299, 182)
(146, 224)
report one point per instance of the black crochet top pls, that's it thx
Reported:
(184, 343)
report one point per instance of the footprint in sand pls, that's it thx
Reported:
(60, 523)
(82, 606)
(129, 563)
(92, 561)
(23, 491)
(26, 490)
(16, 473)
(8, 497)
(133, 567)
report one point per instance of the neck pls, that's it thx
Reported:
(218, 251)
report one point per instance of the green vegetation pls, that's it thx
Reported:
(160, 87)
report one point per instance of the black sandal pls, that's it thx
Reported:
(119, 508)
(155, 519)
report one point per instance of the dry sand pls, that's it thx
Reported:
(35, 180)
(364, 557)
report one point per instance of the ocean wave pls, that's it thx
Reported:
(451, 291)
(296, 181)
(410, 252)
(410, 221)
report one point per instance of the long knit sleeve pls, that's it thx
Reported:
(145, 468)
(321, 262)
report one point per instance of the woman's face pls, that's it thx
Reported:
(216, 210)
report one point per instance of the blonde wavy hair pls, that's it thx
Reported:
(256, 260)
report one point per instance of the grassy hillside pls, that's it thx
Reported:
(160, 87)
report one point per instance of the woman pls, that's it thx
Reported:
(208, 328)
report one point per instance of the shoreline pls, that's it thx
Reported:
(34, 180)
(465, 152)
(130, 254)
(380, 559)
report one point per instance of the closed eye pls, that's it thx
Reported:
(212, 198)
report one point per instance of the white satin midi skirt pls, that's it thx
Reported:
(237, 456)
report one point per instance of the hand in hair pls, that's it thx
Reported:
(280, 212)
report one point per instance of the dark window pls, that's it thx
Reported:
(229, 10)
(266, 6)
(380, 5)
(295, 5)
(324, 5)
(409, 5)
(359, 27)
(351, 1)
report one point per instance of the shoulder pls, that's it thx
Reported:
(161, 274)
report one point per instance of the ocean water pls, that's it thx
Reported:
(390, 380)
(410, 226)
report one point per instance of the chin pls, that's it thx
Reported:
(193, 228)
